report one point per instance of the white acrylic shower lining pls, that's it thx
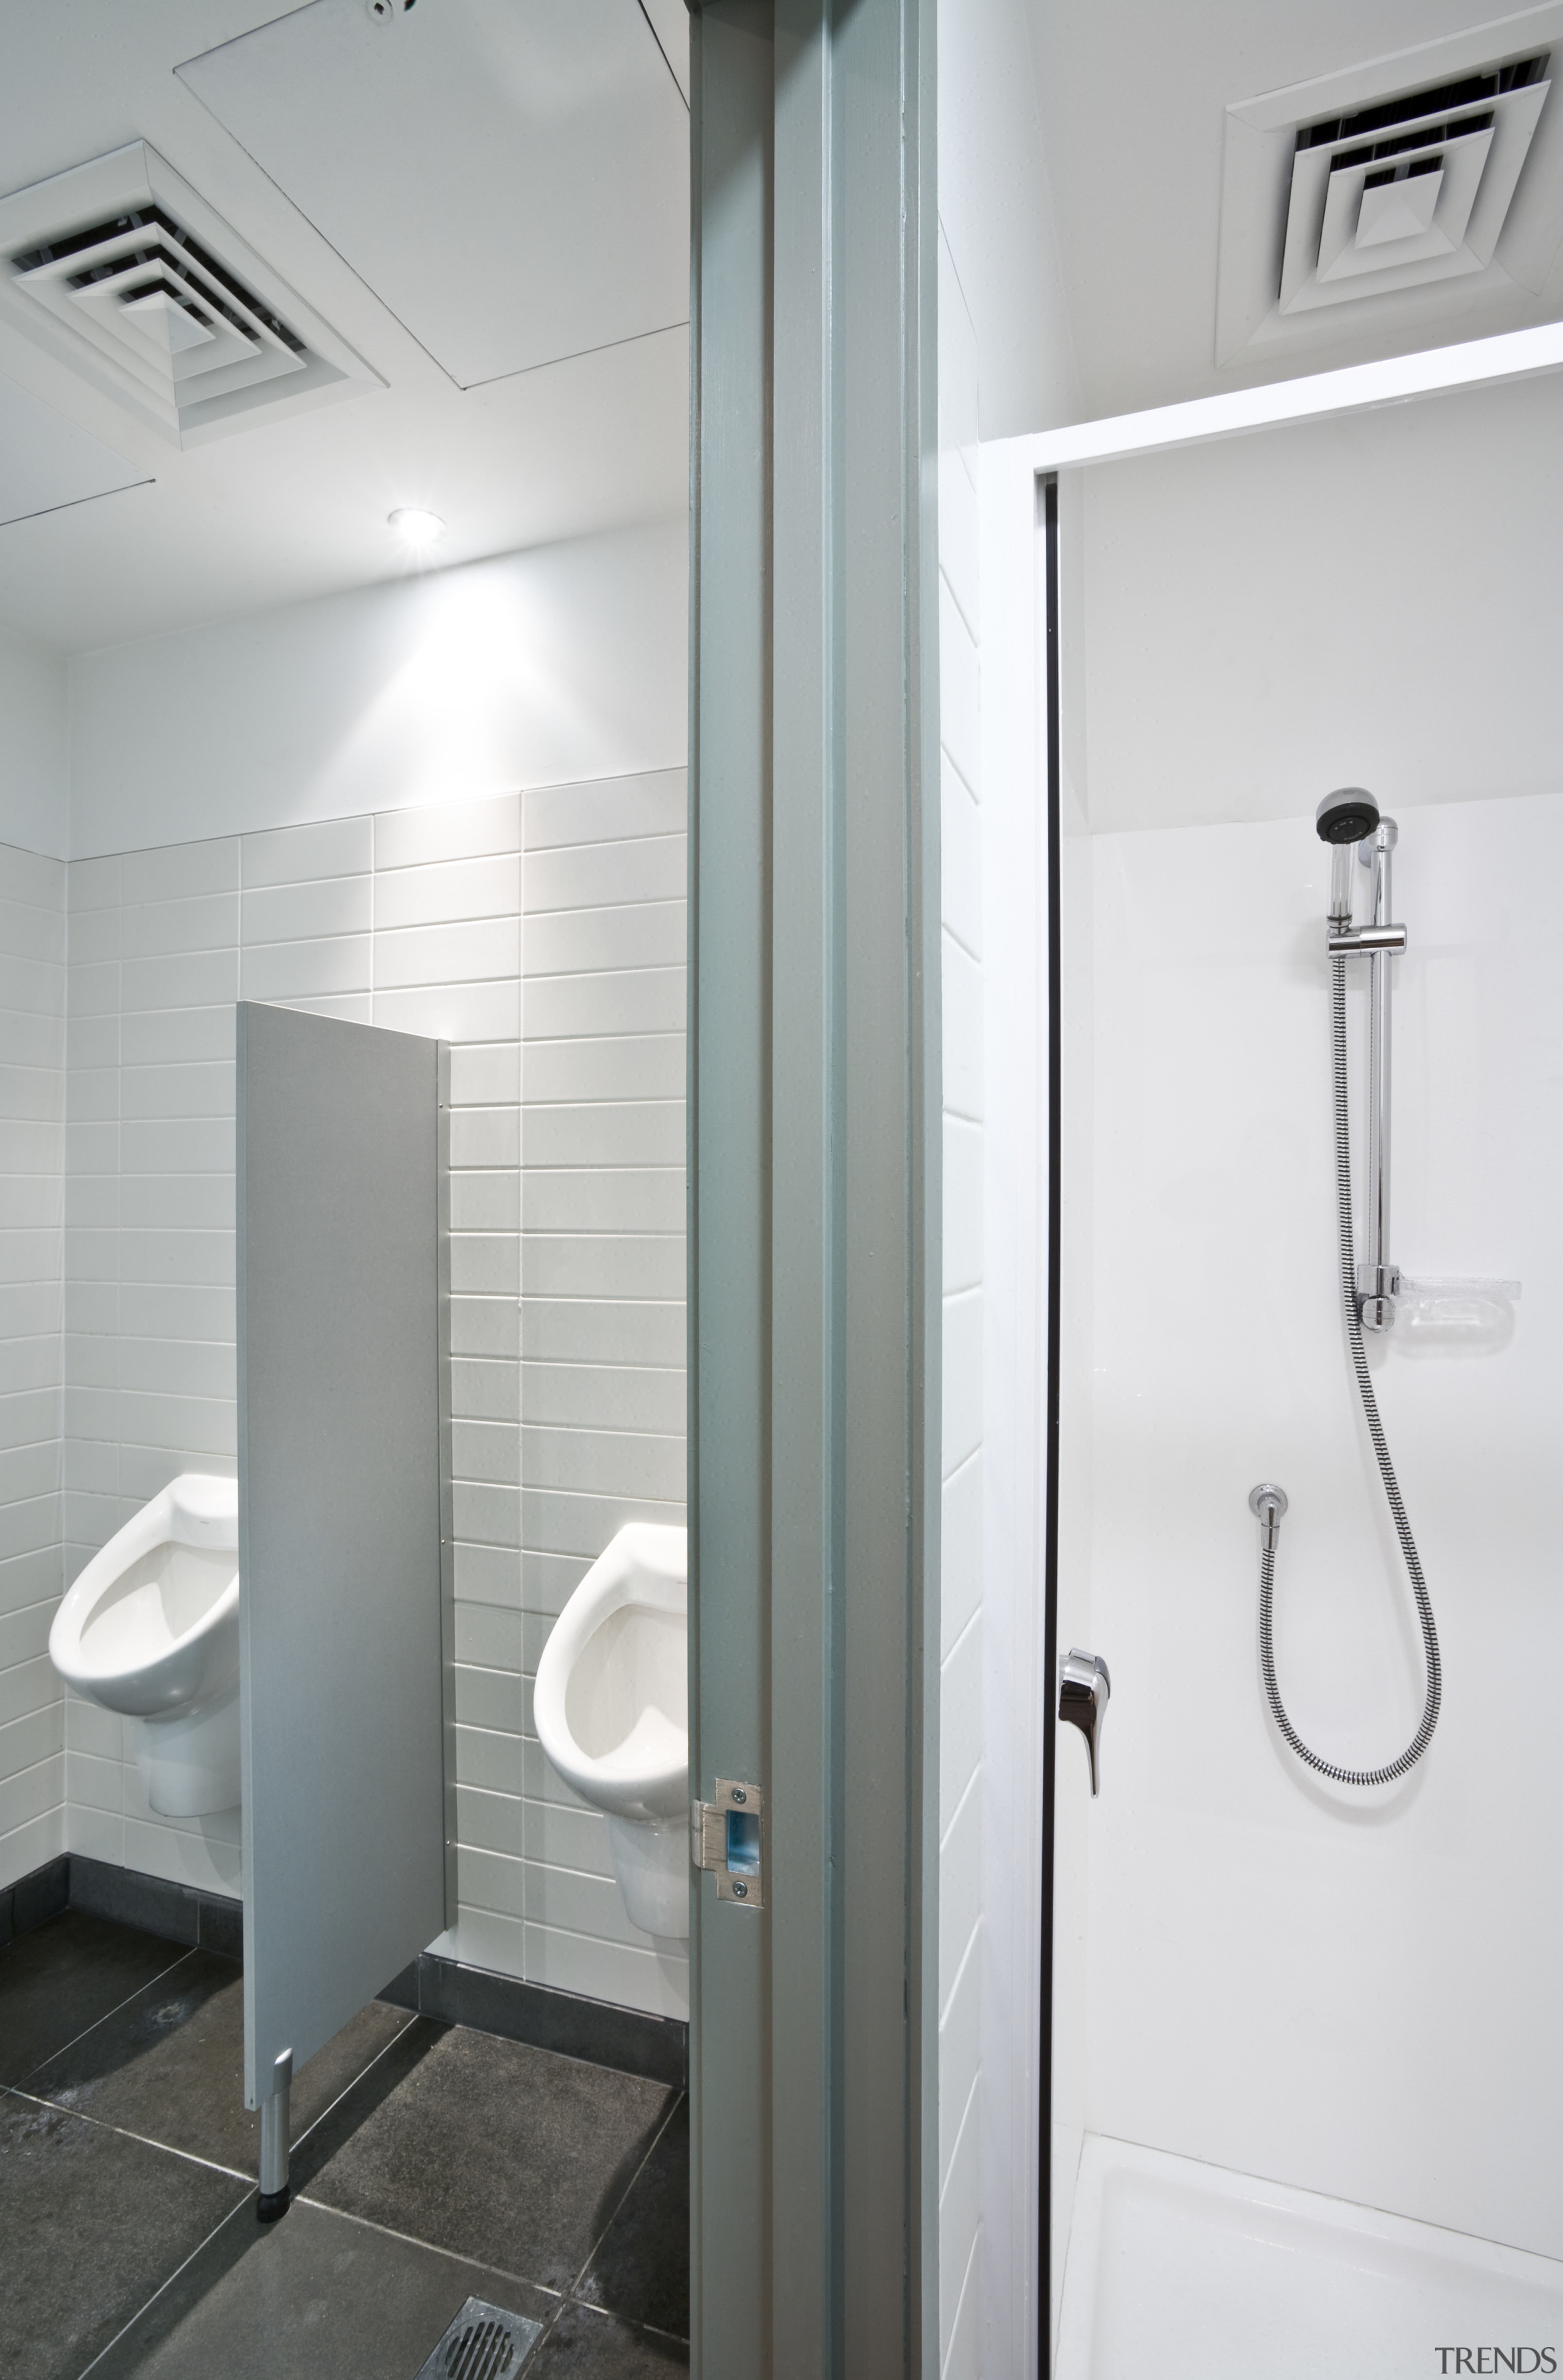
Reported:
(1178, 2270)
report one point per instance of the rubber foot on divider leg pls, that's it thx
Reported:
(273, 2204)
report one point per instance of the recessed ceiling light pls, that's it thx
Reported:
(415, 527)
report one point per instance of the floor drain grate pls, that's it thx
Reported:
(483, 2343)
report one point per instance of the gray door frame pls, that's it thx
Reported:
(815, 1219)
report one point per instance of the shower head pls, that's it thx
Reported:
(1343, 819)
(1349, 815)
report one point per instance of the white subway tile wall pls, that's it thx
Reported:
(32, 980)
(961, 1714)
(543, 936)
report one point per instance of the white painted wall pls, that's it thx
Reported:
(563, 663)
(543, 935)
(1018, 1683)
(32, 949)
(996, 206)
(1073, 1802)
(960, 1635)
(1006, 364)
(1015, 1194)
(35, 770)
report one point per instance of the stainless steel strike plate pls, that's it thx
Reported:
(727, 1835)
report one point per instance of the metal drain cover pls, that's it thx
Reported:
(483, 2343)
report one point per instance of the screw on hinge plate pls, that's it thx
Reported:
(726, 1837)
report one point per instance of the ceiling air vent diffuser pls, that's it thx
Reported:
(1411, 192)
(122, 271)
(1379, 200)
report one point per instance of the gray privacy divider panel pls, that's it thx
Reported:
(340, 1618)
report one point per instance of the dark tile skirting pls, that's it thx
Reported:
(34, 1899)
(207, 1921)
(654, 2047)
(176, 1912)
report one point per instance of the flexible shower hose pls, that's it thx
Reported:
(1423, 1735)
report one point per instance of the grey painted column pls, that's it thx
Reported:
(815, 1221)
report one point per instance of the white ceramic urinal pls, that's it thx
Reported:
(150, 1628)
(611, 1709)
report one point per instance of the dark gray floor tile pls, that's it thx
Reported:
(591, 2346)
(489, 2148)
(63, 1976)
(91, 2225)
(641, 2267)
(315, 2297)
(169, 2064)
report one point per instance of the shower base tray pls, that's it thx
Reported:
(1190, 2272)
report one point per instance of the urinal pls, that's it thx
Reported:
(150, 1628)
(611, 1709)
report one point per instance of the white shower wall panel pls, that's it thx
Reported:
(1350, 1993)
(541, 934)
(33, 935)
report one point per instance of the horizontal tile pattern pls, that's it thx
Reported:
(569, 1408)
(543, 935)
(32, 1217)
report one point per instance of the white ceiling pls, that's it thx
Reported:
(510, 176)
(1134, 97)
(46, 462)
(296, 506)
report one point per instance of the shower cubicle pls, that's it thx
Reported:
(1299, 2111)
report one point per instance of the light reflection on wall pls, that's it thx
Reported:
(563, 663)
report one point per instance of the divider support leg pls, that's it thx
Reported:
(275, 2142)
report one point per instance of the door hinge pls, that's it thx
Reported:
(726, 1836)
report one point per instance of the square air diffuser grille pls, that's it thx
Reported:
(119, 268)
(1414, 190)
(1380, 198)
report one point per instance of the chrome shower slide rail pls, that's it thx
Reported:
(1348, 820)
(1377, 1278)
